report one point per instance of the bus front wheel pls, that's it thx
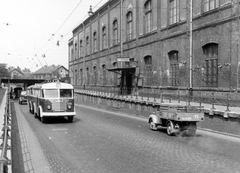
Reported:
(70, 119)
(44, 119)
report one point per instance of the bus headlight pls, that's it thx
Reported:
(69, 105)
(48, 107)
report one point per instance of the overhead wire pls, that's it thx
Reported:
(58, 29)
(74, 27)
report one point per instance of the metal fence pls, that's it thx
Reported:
(4, 161)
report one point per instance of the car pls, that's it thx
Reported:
(22, 97)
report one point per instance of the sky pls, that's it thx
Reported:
(30, 29)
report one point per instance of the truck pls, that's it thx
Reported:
(177, 119)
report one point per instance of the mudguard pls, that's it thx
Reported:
(154, 118)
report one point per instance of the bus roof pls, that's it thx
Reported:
(52, 85)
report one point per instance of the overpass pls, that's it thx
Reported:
(26, 82)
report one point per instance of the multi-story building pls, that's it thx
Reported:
(171, 44)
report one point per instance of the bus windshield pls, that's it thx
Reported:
(51, 93)
(66, 93)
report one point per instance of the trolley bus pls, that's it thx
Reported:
(52, 99)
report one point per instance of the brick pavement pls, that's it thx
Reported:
(34, 160)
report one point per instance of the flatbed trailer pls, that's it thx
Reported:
(176, 119)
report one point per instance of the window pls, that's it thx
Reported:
(148, 16)
(95, 75)
(210, 5)
(104, 73)
(76, 77)
(72, 58)
(95, 42)
(129, 26)
(211, 64)
(115, 74)
(81, 76)
(148, 69)
(49, 93)
(87, 45)
(173, 11)
(104, 37)
(76, 52)
(81, 48)
(66, 93)
(174, 68)
(115, 32)
(87, 75)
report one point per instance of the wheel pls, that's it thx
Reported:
(152, 125)
(43, 119)
(170, 128)
(192, 129)
(70, 119)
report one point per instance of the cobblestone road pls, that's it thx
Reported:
(101, 142)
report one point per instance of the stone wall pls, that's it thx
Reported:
(137, 107)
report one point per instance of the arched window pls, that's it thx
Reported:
(87, 75)
(115, 74)
(173, 11)
(115, 32)
(76, 51)
(148, 69)
(95, 75)
(211, 64)
(81, 48)
(174, 68)
(148, 16)
(104, 73)
(87, 45)
(80, 77)
(104, 37)
(76, 77)
(129, 25)
(95, 42)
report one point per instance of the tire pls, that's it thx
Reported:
(192, 129)
(43, 119)
(152, 125)
(70, 119)
(170, 128)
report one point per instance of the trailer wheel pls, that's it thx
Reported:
(152, 125)
(192, 129)
(170, 128)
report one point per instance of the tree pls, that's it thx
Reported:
(4, 71)
(26, 70)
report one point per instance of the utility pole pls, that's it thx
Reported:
(238, 46)
(191, 46)
(121, 26)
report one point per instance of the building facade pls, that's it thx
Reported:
(16, 74)
(141, 44)
(49, 72)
